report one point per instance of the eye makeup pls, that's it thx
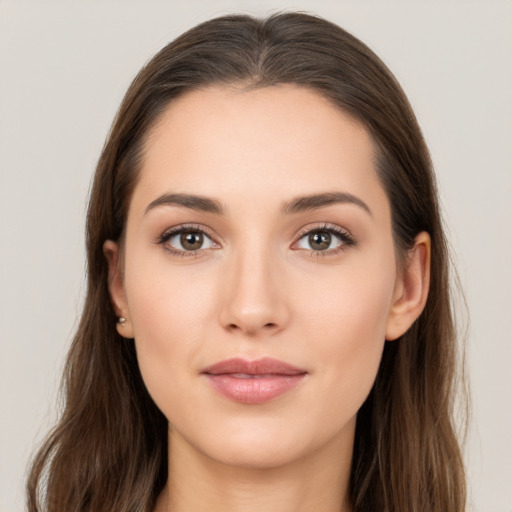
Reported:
(192, 240)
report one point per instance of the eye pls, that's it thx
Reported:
(324, 239)
(186, 239)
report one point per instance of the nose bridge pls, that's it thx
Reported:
(252, 297)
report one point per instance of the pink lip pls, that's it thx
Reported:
(253, 382)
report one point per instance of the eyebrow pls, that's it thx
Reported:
(314, 201)
(194, 202)
(296, 205)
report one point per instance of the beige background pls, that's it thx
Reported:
(64, 67)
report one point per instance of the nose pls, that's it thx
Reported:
(254, 296)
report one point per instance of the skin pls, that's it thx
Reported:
(259, 289)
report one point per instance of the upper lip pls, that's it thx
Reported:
(264, 366)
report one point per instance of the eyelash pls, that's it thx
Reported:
(343, 235)
(347, 240)
(178, 230)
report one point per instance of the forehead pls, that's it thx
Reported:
(274, 141)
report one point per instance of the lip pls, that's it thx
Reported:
(253, 382)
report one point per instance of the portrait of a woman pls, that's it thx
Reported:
(268, 322)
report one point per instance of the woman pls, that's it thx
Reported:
(267, 323)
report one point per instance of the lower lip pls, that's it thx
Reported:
(254, 390)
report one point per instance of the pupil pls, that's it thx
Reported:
(191, 241)
(320, 240)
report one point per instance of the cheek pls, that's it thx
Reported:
(348, 322)
(164, 298)
(169, 314)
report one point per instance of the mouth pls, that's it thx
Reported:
(253, 382)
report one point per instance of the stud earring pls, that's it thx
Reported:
(121, 321)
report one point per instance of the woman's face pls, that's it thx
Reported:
(258, 232)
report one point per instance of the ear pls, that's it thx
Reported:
(116, 288)
(411, 289)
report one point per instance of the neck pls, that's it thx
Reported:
(319, 481)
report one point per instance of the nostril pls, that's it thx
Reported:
(235, 327)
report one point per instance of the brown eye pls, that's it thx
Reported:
(185, 240)
(191, 240)
(319, 240)
(326, 240)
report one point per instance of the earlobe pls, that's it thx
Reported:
(116, 288)
(411, 290)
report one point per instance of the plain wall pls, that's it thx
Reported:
(64, 67)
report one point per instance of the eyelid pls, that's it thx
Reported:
(344, 234)
(180, 228)
(172, 230)
(324, 226)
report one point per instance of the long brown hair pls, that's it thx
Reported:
(108, 452)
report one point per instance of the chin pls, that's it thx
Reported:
(263, 454)
(245, 444)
